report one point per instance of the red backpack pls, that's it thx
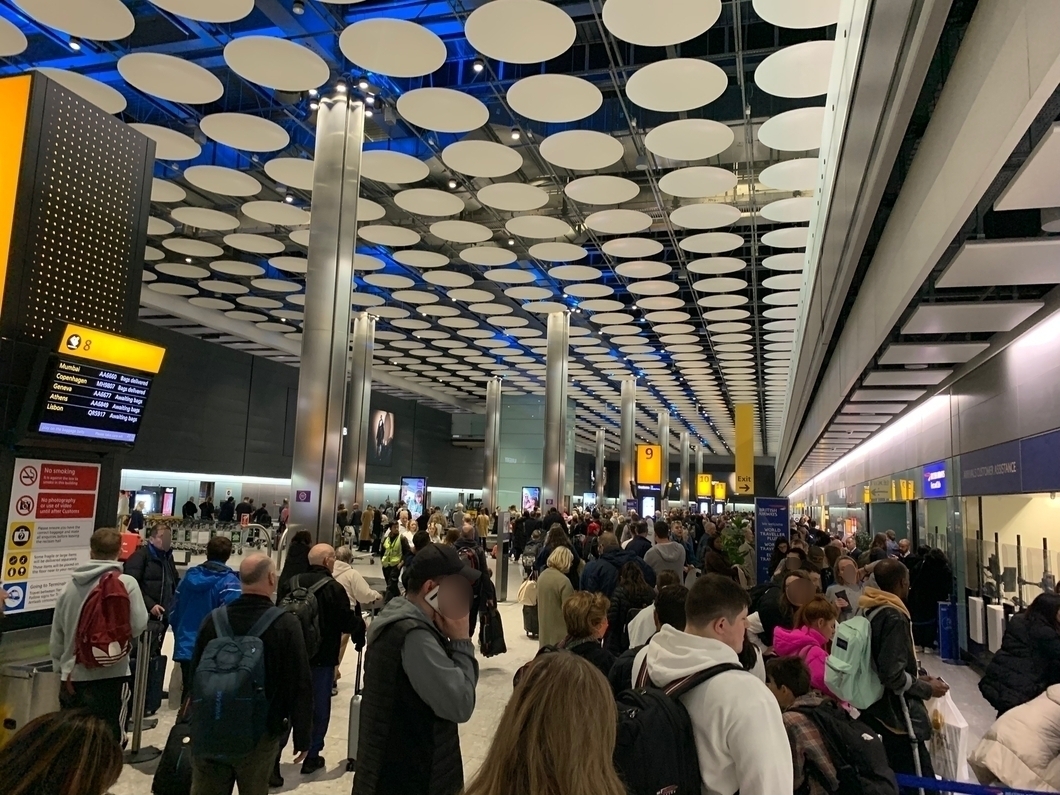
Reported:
(104, 633)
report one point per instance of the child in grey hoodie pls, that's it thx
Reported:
(100, 691)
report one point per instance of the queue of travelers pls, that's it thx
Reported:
(670, 611)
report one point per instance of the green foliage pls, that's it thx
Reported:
(734, 539)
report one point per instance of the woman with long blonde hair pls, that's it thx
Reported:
(556, 735)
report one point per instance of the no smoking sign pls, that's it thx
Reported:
(27, 476)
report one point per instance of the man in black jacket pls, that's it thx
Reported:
(288, 685)
(153, 568)
(336, 617)
(245, 507)
(894, 659)
(601, 575)
(227, 512)
(470, 551)
(640, 544)
(188, 510)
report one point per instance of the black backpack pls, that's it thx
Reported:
(302, 604)
(655, 748)
(856, 751)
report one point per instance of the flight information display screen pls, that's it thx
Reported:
(84, 400)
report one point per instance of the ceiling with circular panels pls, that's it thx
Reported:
(507, 172)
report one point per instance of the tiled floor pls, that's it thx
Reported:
(494, 689)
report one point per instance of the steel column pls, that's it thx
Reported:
(699, 469)
(358, 397)
(492, 451)
(685, 455)
(627, 442)
(601, 470)
(664, 465)
(554, 466)
(326, 328)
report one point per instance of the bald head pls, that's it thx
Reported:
(257, 574)
(322, 555)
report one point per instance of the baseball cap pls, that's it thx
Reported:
(440, 560)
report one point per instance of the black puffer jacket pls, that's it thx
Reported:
(1027, 663)
(156, 573)
(624, 601)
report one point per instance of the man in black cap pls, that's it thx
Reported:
(420, 678)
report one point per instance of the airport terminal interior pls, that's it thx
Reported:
(774, 279)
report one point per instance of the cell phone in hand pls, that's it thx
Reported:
(432, 596)
(842, 595)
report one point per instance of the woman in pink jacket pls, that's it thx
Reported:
(810, 639)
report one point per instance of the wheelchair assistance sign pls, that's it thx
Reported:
(50, 520)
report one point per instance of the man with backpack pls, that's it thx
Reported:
(323, 608)
(471, 552)
(733, 719)
(96, 617)
(601, 575)
(249, 679)
(899, 714)
(668, 610)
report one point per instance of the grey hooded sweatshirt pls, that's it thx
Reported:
(668, 556)
(445, 681)
(68, 612)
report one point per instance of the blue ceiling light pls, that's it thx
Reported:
(75, 44)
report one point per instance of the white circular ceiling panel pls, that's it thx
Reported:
(417, 258)
(784, 281)
(581, 150)
(632, 247)
(482, 158)
(393, 47)
(660, 23)
(99, 20)
(689, 139)
(386, 235)
(276, 213)
(243, 131)
(396, 168)
(513, 197)
(169, 144)
(520, 31)
(557, 252)
(575, 273)
(104, 97)
(785, 262)
(368, 210)
(791, 175)
(276, 285)
(429, 201)
(205, 218)
(716, 265)
(602, 190)
(222, 180)
(236, 268)
(192, 248)
(705, 216)
(488, 256)
(794, 130)
(442, 109)
(461, 231)
(642, 269)
(618, 222)
(166, 192)
(216, 11)
(276, 63)
(801, 70)
(789, 237)
(676, 84)
(448, 278)
(181, 270)
(158, 226)
(696, 182)
(720, 284)
(169, 288)
(798, 14)
(294, 172)
(290, 264)
(554, 98)
(12, 40)
(538, 227)
(711, 243)
(169, 77)
(789, 211)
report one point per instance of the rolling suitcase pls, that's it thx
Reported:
(354, 731)
(530, 620)
(173, 774)
(156, 684)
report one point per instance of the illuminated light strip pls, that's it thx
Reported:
(875, 441)
(14, 108)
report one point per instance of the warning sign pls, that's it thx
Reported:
(49, 524)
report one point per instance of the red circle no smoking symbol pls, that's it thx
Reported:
(27, 476)
(24, 505)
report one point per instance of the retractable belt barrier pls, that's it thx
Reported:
(964, 788)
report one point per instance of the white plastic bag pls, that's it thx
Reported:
(949, 741)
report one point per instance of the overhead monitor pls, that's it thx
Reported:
(531, 498)
(414, 494)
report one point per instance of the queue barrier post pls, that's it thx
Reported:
(137, 753)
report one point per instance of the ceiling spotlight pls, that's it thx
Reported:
(511, 241)
(370, 99)
(368, 113)
(314, 105)
(341, 87)
(298, 7)
(515, 135)
(75, 44)
(478, 66)
(289, 198)
(362, 84)
(642, 163)
(452, 184)
(188, 260)
(313, 92)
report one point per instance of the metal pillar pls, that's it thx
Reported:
(664, 465)
(492, 451)
(686, 452)
(554, 467)
(626, 444)
(601, 470)
(699, 471)
(326, 328)
(358, 397)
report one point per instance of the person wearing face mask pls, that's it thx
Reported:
(815, 624)
(420, 679)
(740, 739)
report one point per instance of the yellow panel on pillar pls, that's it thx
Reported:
(703, 486)
(649, 463)
(745, 449)
(14, 108)
(719, 491)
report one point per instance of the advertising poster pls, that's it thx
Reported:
(531, 498)
(771, 523)
(49, 524)
(413, 494)
(380, 438)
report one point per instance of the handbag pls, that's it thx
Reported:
(528, 593)
(491, 635)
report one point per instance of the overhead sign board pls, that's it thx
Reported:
(745, 449)
(992, 470)
(703, 486)
(934, 480)
(82, 342)
(649, 464)
(719, 491)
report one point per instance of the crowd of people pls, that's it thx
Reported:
(661, 666)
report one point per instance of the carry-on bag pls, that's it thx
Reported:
(353, 734)
(530, 621)
(173, 774)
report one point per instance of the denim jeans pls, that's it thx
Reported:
(323, 679)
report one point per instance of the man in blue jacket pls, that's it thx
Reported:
(601, 575)
(204, 588)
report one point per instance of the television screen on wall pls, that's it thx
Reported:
(380, 438)
(414, 495)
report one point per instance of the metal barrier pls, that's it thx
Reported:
(281, 547)
(938, 785)
(138, 754)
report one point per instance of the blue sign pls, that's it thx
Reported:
(935, 480)
(16, 596)
(1040, 462)
(992, 470)
(771, 523)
